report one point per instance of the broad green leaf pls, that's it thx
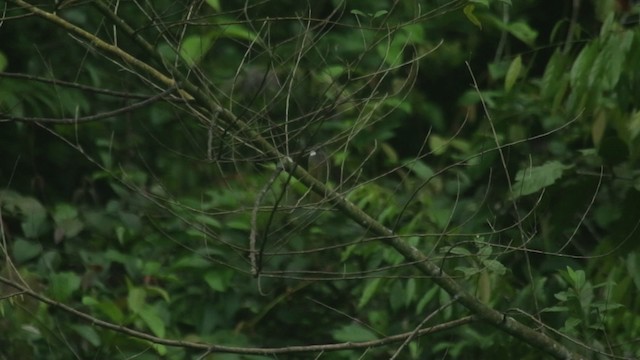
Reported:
(67, 223)
(215, 5)
(495, 267)
(608, 65)
(369, 290)
(426, 299)
(24, 250)
(456, 250)
(634, 269)
(571, 323)
(468, 271)
(534, 179)
(380, 13)
(556, 309)
(577, 277)
(236, 31)
(153, 321)
(583, 66)
(410, 291)
(468, 12)
(3, 61)
(484, 250)
(438, 144)
(63, 285)
(32, 213)
(513, 73)
(554, 74)
(599, 126)
(160, 291)
(634, 125)
(111, 310)
(484, 287)
(396, 296)
(194, 47)
(523, 32)
(445, 298)
(216, 280)
(88, 333)
(136, 299)
(420, 169)
(354, 333)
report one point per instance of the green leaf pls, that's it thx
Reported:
(523, 32)
(111, 310)
(215, 5)
(438, 144)
(397, 296)
(136, 299)
(88, 333)
(634, 125)
(369, 290)
(420, 169)
(24, 250)
(608, 65)
(513, 73)
(215, 280)
(555, 74)
(468, 12)
(426, 299)
(577, 278)
(380, 13)
(456, 250)
(410, 291)
(153, 321)
(3, 61)
(583, 66)
(67, 223)
(353, 332)
(571, 323)
(160, 291)
(63, 285)
(468, 271)
(33, 214)
(194, 47)
(532, 180)
(495, 266)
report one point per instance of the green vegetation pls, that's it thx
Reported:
(475, 188)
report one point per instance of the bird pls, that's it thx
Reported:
(318, 165)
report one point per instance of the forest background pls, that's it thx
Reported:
(326, 179)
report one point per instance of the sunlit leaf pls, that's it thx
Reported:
(534, 179)
(468, 12)
(513, 73)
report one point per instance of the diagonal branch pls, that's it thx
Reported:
(411, 254)
(22, 290)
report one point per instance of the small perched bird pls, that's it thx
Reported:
(318, 165)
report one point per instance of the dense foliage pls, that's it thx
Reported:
(152, 204)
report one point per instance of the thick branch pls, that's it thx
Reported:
(410, 253)
(237, 350)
